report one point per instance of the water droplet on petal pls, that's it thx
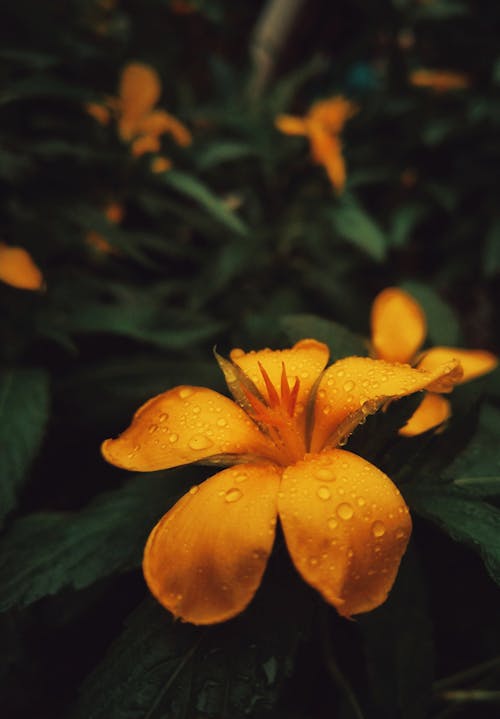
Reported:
(199, 441)
(186, 392)
(361, 502)
(323, 493)
(401, 534)
(345, 511)
(195, 409)
(349, 385)
(241, 477)
(162, 417)
(221, 422)
(152, 428)
(313, 561)
(172, 438)
(324, 474)
(232, 495)
(332, 523)
(194, 489)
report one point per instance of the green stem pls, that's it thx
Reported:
(466, 675)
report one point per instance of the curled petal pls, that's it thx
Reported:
(305, 361)
(356, 386)
(140, 89)
(431, 412)
(160, 122)
(398, 325)
(474, 362)
(184, 425)
(18, 269)
(205, 559)
(346, 527)
(291, 125)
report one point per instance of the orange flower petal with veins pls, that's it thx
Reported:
(346, 527)
(205, 559)
(398, 325)
(355, 386)
(184, 425)
(431, 412)
(474, 363)
(18, 269)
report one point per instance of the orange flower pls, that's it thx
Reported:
(138, 123)
(18, 269)
(398, 328)
(322, 125)
(345, 523)
(114, 213)
(439, 80)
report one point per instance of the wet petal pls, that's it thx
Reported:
(305, 361)
(184, 425)
(431, 412)
(291, 125)
(160, 122)
(357, 386)
(474, 362)
(18, 269)
(205, 559)
(346, 527)
(140, 89)
(398, 325)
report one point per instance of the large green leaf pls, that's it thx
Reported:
(161, 669)
(480, 458)
(194, 189)
(24, 408)
(356, 226)
(341, 341)
(46, 552)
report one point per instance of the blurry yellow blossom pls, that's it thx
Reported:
(345, 523)
(398, 330)
(439, 80)
(322, 125)
(114, 213)
(18, 269)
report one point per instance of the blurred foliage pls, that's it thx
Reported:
(243, 243)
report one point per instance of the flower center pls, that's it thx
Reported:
(277, 416)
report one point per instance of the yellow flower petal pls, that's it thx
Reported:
(474, 363)
(205, 559)
(145, 143)
(114, 212)
(184, 425)
(18, 269)
(346, 527)
(332, 113)
(355, 386)
(439, 80)
(140, 89)
(160, 122)
(327, 151)
(291, 125)
(431, 412)
(398, 325)
(161, 164)
(100, 113)
(305, 361)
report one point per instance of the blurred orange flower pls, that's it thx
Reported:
(114, 213)
(398, 330)
(138, 123)
(18, 269)
(322, 125)
(345, 523)
(183, 7)
(439, 80)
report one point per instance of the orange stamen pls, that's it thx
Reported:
(274, 399)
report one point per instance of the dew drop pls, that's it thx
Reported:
(323, 493)
(313, 561)
(196, 409)
(345, 511)
(241, 477)
(199, 441)
(194, 489)
(327, 409)
(324, 474)
(162, 417)
(349, 386)
(186, 392)
(361, 502)
(232, 495)
(152, 428)
(332, 523)
(221, 422)
(401, 534)
(172, 438)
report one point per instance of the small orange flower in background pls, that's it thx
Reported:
(183, 7)
(18, 269)
(322, 125)
(345, 523)
(114, 213)
(398, 329)
(138, 123)
(439, 80)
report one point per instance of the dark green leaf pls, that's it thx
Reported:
(194, 189)
(491, 256)
(24, 408)
(223, 151)
(341, 341)
(43, 553)
(356, 226)
(480, 458)
(442, 324)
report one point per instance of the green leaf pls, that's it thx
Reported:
(478, 486)
(194, 189)
(491, 253)
(46, 552)
(341, 341)
(442, 324)
(161, 668)
(466, 520)
(480, 458)
(223, 151)
(24, 410)
(404, 221)
(399, 648)
(356, 226)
